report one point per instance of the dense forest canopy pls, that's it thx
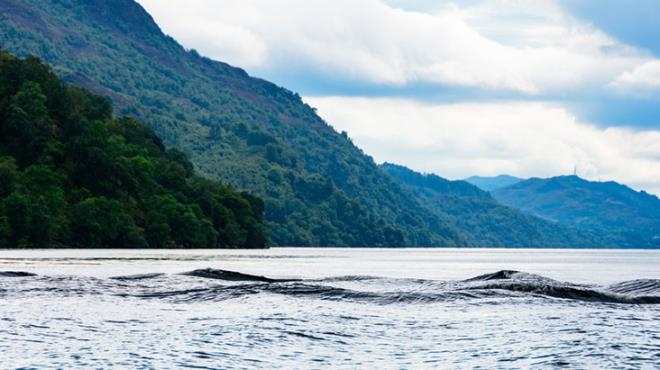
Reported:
(71, 175)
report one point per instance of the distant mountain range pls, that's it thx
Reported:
(486, 222)
(493, 183)
(612, 212)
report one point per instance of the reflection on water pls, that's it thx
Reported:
(287, 308)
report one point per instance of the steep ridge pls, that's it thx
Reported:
(319, 188)
(482, 218)
(620, 215)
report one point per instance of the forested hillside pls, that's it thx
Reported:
(619, 215)
(318, 188)
(70, 175)
(485, 221)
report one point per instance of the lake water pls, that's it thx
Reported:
(318, 308)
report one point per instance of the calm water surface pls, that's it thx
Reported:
(319, 308)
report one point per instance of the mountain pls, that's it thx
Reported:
(318, 187)
(486, 222)
(71, 175)
(621, 216)
(493, 183)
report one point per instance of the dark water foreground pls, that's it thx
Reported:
(214, 318)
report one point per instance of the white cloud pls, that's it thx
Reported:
(643, 78)
(528, 47)
(518, 138)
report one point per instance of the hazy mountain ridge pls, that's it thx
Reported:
(621, 215)
(319, 189)
(486, 222)
(490, 183)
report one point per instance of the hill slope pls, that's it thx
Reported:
(318, 188)
(484, 220)
(70, 175)
(493, 183)
(622, 216)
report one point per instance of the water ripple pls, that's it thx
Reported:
(210, 318)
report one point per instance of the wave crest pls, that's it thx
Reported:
(219, 285)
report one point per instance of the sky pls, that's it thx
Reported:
(457, 88)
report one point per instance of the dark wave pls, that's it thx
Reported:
(219, 285)
(501, 284)
(349, 278)
(16, 274)
(210, 273)
(301, 290)
(634, 292)
(137, 277)
(499, 275)
(637, 287)
(571, 292)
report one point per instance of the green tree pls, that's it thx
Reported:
(187, 229)
(26, 129)
(8, 175)
(18, 210)
(102, 222)
(49, 207)
(5, 229)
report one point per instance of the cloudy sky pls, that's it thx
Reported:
(528, 88)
